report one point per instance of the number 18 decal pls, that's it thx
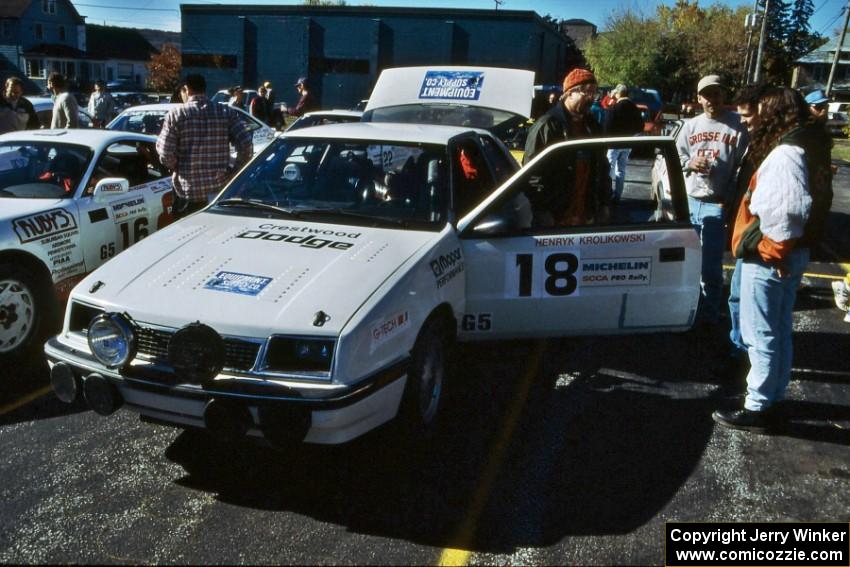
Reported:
(542, 274)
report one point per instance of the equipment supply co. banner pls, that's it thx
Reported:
(743, 543)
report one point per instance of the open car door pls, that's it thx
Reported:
(547, 254)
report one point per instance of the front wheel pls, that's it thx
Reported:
(25, 309)
(425, 391)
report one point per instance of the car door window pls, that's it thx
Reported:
(135, 161)
(574, 187)
(472, 178)
(503, 166)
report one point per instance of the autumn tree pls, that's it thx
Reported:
(164, 69)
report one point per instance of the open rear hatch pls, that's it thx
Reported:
(491, 98)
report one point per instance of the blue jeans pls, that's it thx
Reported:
(708, 219)
(738, 347)
(618, 160)
(767, 307)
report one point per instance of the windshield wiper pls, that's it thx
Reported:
(353, 214)
(249, 203)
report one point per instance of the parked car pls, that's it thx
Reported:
(319, 117)
(653, 122)
(320, 294)
(148, 119)
(837, 118)
(44, 110)
(69, 201)
(661, 186)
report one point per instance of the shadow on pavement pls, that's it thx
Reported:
(25, 378)
(617, 449)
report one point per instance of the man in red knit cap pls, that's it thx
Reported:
(575, 191)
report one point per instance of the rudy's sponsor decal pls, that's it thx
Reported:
(305, 241)
(44, 224)
(447, 266)
(389, 328)
(453, 85)
(615, 271)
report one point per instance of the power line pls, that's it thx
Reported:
(835, 19)
(125, 8)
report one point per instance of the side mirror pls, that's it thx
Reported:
(109, 187)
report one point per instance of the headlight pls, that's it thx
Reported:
(304, 355)
(111, 339)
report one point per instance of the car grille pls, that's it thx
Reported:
(238, 354)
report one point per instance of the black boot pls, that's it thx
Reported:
(744, 419)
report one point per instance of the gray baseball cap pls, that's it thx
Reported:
(708, 81)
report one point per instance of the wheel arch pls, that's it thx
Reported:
(29, 261)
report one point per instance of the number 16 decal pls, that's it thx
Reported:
(539, 274)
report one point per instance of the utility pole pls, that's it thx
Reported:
(757, 73)
(750, 23)
(838, 51)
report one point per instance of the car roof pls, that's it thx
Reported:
(165, 107)
(85, 136)
(386, 131)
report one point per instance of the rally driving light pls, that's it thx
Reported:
(111, 339)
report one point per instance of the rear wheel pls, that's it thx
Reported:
(25, 311)
(425, 391)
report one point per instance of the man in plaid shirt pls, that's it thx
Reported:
(194, 144)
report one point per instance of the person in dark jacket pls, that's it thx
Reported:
(16, 112)
(624, 119)
(575, 191)
(305, 102)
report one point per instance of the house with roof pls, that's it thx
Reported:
(38, 37)
(811, 71)
(41, 36)
(118, 55)
(579, 30)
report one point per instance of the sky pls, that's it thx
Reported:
(165, 14)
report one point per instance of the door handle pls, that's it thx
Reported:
(672, 254)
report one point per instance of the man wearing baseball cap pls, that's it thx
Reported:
(585, 197)
(818, 105)
(305, 102)
(711, 146)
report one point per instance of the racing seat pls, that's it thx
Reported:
(64, 170)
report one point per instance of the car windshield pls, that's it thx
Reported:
(41, 170)
(356, 182)
(141, 121)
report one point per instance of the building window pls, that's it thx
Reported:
(61, 33)
(70, 69)
(216, 61)
(5, 28)
(35, 68)
(125, 70)
(48, 6)
(39, 31)
(109, 74)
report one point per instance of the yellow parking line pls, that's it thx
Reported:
(460, 556)
(25, 400)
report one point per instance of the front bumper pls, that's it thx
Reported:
(331, 413)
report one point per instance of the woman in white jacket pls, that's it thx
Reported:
(770, 222)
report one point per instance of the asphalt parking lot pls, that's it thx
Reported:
(553, 452)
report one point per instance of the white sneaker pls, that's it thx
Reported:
(842, 294)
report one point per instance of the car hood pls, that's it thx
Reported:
(11, 209)
(250, 276)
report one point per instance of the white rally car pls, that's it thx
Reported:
(316, 298)
(69, 201)
(148, 119)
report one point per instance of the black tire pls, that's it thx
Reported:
(427, 381)
(27, 312)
